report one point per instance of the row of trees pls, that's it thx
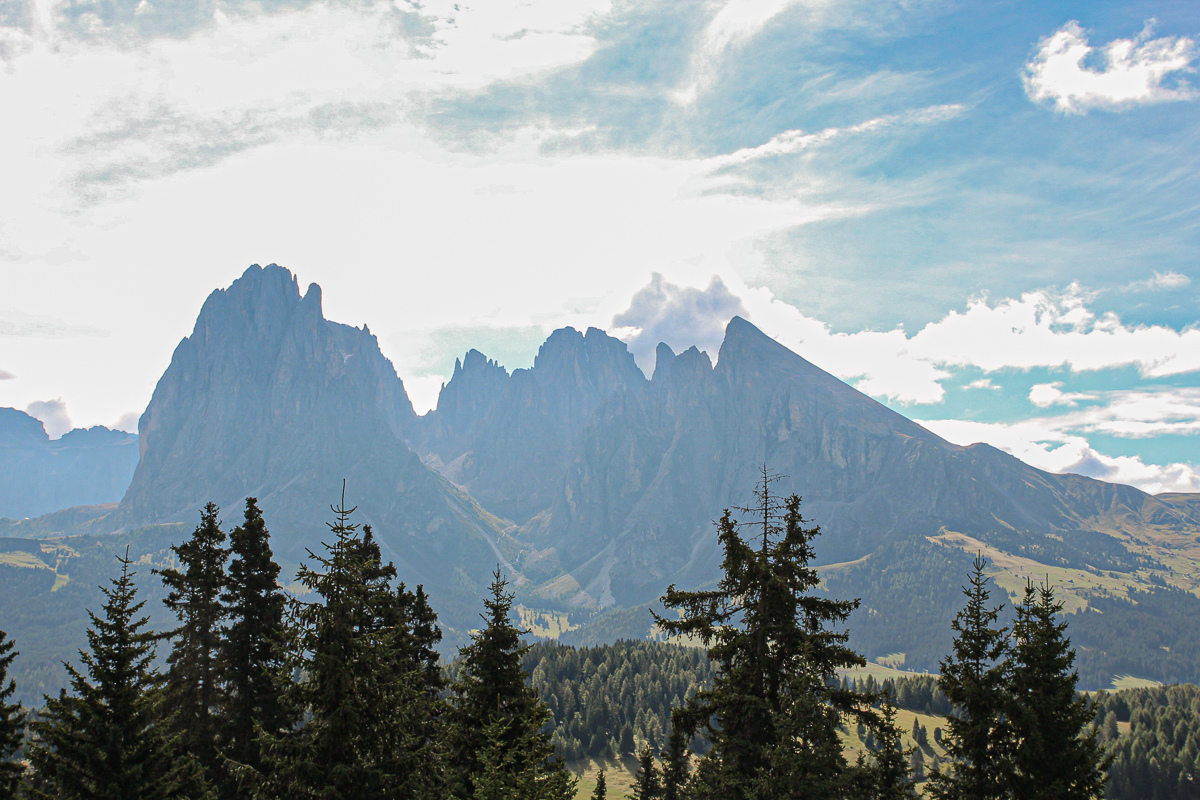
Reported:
(335, 692)
(1018, 730)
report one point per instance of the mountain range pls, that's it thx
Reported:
(593, 486)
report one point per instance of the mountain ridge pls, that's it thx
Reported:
(591, 485)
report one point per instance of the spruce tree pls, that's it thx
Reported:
(887, 775)
(601, 790)
(646, 782)
(357, 740)
(975, 679)
(12, 724)
(496, 722)
(251, 654)
(1058, 755)
(773, 712)
(104, 740)
(193, 691)
(676, 773)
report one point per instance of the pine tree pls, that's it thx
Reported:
(358, 740)
(1058, 755)
(887, 776)
(975, 679)
(12, 724)
(773, 712)
(646, 785)
(601, 791)
(193, 691)
(496, 736)
(251, 655)
(677, 758)
(104, 740)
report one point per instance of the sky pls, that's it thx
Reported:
(984, 214)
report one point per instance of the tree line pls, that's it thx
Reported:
(333, 692)
(771, 719)
(336, 691)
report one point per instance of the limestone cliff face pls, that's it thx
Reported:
(508, 438)
(39, 475)
(267, 398)
(656, 466)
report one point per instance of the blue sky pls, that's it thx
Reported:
(983, 214)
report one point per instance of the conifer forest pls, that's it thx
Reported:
(334, 688)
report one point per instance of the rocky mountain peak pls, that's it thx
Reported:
(18, 428)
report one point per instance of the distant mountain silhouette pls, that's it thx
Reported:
(39, 475)
(269, 399)
(593, 486)
(617, 479)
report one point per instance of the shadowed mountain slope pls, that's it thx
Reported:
(269, 399)
(658, 460)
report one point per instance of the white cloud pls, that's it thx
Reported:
(983, 383)
(1133, 414)
(1134, 71)
(739, 20)
(1039, 329)
(679, 316)
(734, 24)
(1160, 281)
(53, 414)
(42, 326)
(1044, 395)
(796, 140)
(1046, 329)
(128, 422)
(1050, 444)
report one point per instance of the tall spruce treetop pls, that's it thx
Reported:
(252, 651)
(975, 679)
(647, 785)
(104, 740)
(774, 708)
(359, 739)
(12, 724)
(496, 737)
(1057, 754)
(193, 685)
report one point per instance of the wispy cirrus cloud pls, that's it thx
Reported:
(1160, 281)
(1134, 72)
(795, 141)
(16, 323)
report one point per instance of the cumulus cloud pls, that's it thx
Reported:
(1042, 329)
(1135, 71)
(128, 422)
(681, 316)
(1044, 395)
(1049, 329)
(982, 383)
(1160, 281)
(53, 414)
